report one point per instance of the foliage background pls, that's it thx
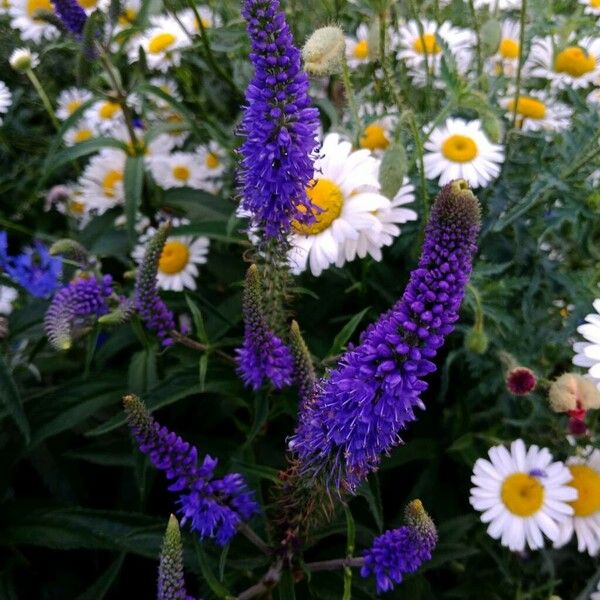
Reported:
(82, 515)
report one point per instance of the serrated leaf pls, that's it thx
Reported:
(12, 400)
(346, 333)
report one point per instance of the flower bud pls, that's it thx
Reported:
(477, 341)
(520, 381)
(572, 392)
(23, 59)
(323, 51)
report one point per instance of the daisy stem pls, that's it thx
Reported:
(351, 98)
(43, 97)
(477, 31)
(414, 128)
(520, 65)
(385, 64)
(421, 29)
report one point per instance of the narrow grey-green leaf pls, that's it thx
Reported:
(346, 333)
(12, 400)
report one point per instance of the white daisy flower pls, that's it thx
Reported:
(70, 100)
(4, 7)
(24, 18)
(67, 200)
(506, 58)
(179, 169)
(101, 182)
(162, 43)
(22, 59)
(91, 5)
(575, 66)
(346, 189)
(378, 132)
(460, 150)
(522, 495)
(80, 132)
(105, 116)
(593, 97)
(536, 111)
(592, 7)
(128, 15)
(585, 523)
(208, 17)
(414, 47)
(357, 49)
(5, 99)
(177, 267)
(213, 165)
(371, 241)
(7, 297)
(587, 354)
(169, 87)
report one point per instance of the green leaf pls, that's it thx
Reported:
(12, 400)
(260, 471)
(102, 585)
(371, 492)
(211, 579)
(82, 149)
(392, 170)
(133, 184)
(200, 330)
(346, 333)
(202, 369)
(286, 589)
(261, 412)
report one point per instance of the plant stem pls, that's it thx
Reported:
(350, 540)
(43, 97)
(267, 583)
(251, 535)
(520, 64)
(335, 564)
(385, 65)
(412, 122)
(351, 98)
(477, 39)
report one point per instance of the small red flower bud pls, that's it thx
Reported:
(520, 381)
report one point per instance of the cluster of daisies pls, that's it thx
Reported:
(552, 68)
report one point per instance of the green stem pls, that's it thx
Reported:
(350, 96)
(421, 166)
(520, 65)
(350, 541)
(43, 97)
(477, 39)
(429, 83)
(385, 65)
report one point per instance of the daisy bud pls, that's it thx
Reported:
(477, 341)
(323, 51)
(71, 250)
(572, 392)
(23, 59)
(520, 381)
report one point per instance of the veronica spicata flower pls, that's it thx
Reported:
(279, 125)
(171, 584)
(71, 14)
(214, 507)
(371, 395)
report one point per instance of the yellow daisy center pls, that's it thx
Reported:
(110, 181)
(127, 16)
(160, 42)
(76, 208)
(108, 109)
(73, 105)
(327, 196)
(509, 48)
(595, 3)
(205, 23)
(174, 257)
(212, 160)
(81, 135)
(522, 494)
(528, 107)
(426, 44)
(374, 138)
(574, 61)
(587, 483)
(87, 3)
(459, 148)
(181, 172)
(34, 6)
(361, 49)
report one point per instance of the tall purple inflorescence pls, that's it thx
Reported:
(401, 551)
(279, 124)
(263, 354)
(71, 307)
(357, 413)
(151, 308)
(71, 14)
(214, 507)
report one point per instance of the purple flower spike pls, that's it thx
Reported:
(72, 306)
(214, 507)
(171, 584)
(150, 306)
(71, 14)
(279, 124)
(359, 410)
(263, 355)
(401, 551)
